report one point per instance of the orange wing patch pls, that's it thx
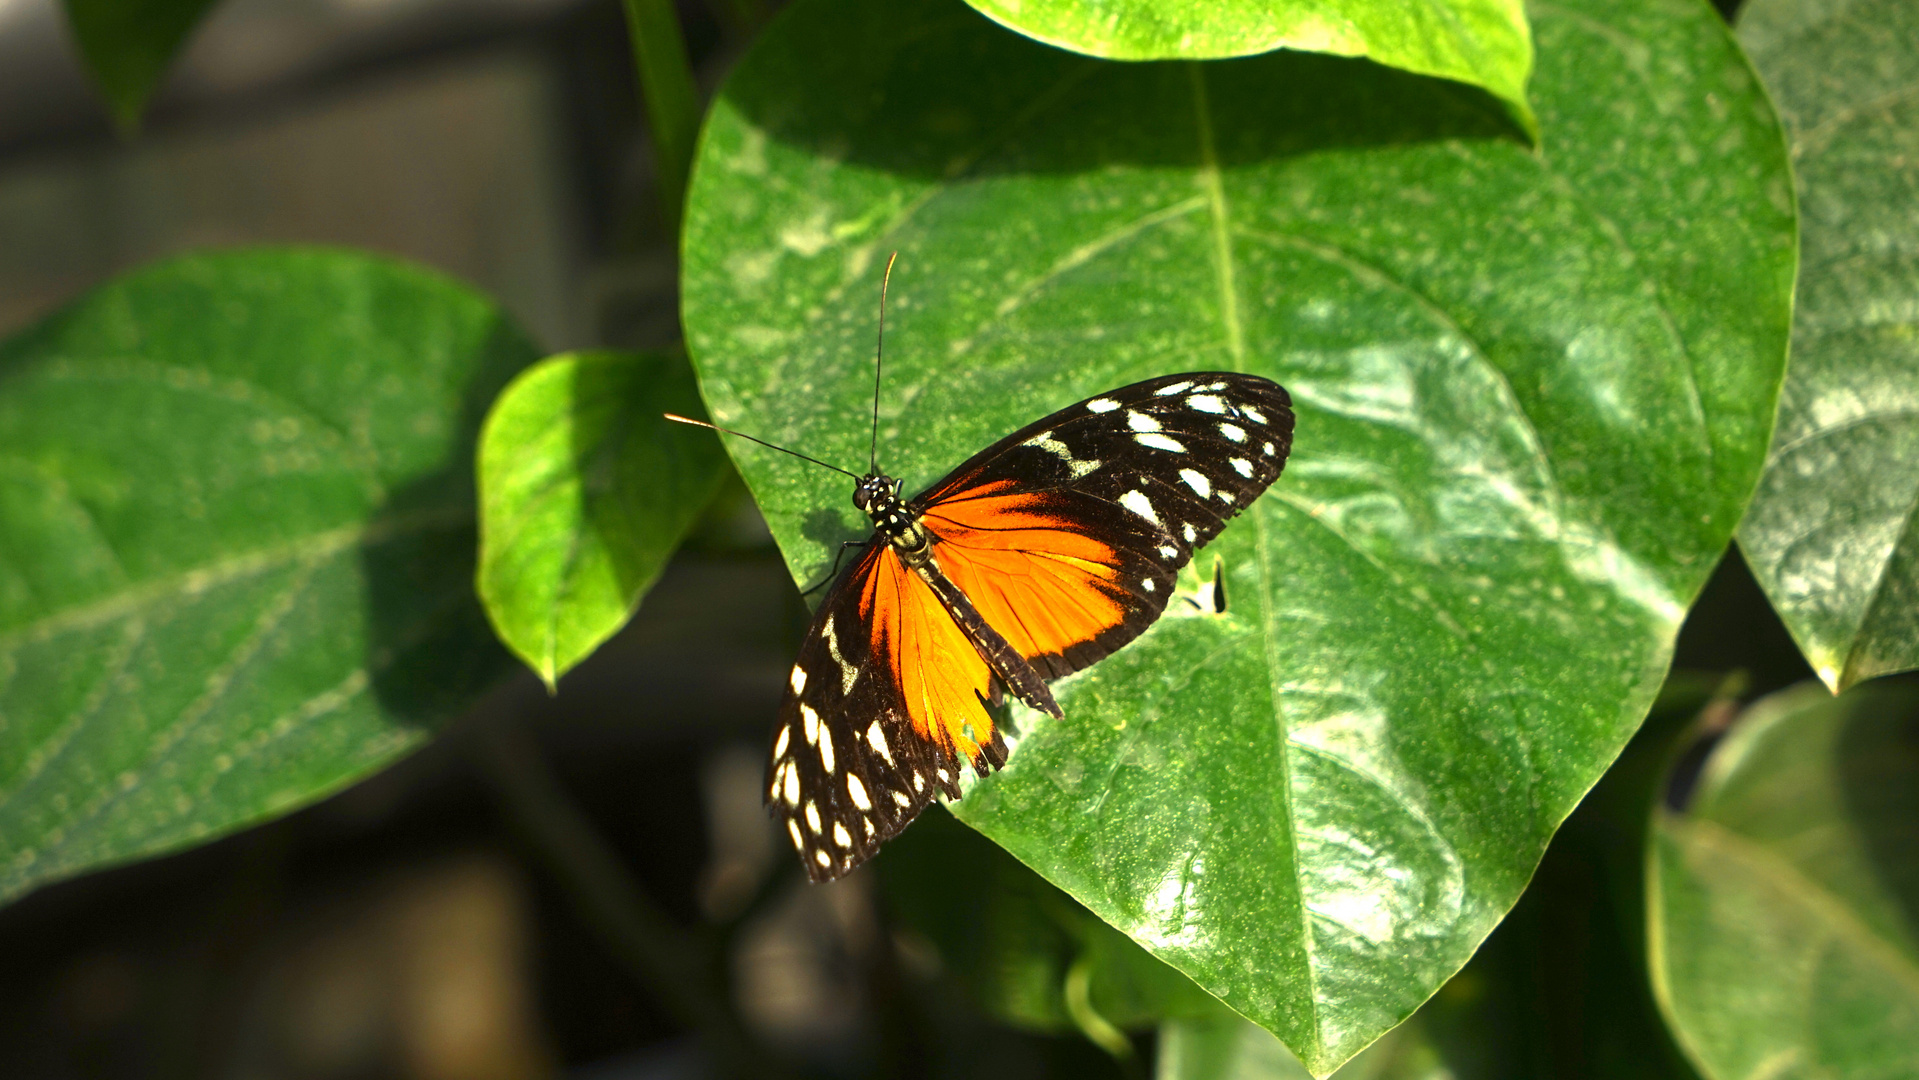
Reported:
(940, 674)
(1043, 586)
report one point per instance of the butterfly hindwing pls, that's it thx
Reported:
(853, 761)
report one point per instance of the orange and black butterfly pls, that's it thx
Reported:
(1039, 556)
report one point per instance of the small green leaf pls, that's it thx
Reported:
(128, 45)
(585, 491)
(1833, 534)
(1534, 392)
(1482, 42)
(1784, 901)
(236, 545)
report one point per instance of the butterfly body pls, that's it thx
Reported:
(1037, 557)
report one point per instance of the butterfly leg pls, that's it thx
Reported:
(835, 572)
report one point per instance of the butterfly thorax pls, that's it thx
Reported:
(879, 496)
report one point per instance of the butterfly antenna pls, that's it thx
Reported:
(879, 354)
(762, 442)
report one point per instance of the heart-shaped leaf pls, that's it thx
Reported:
(1534, 389)
(1482, 42)
(1784, 900)
(585, 491)
(236, 545)
(128, 45)
(1833, 534)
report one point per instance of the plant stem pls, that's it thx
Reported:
(663, 957)
(669, 97)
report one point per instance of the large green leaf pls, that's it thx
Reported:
(1482, 42)
(585, 490)
(1833, 534)
(1534, 390)
(236, 545)
(128, 45)
(1784, 900)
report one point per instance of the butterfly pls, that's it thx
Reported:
(1038, 556)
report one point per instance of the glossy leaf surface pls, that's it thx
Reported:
(1785, 898)
(236, 545)
(1833, 534)
(1526, 428)
(1482, 42)
(585, 491)
(128, 45)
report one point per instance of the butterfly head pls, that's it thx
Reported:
(879, 496)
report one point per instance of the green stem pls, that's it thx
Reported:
(669, 96)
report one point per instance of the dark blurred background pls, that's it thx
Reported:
(420, 925)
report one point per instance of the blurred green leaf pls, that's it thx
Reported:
(1527, 425)
(128, 45)
(585, 492)
(1784, 901)
(1833, 534)
(1482, 42)
(1011, 938)
(236, 545)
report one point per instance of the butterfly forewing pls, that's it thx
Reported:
(1104, 503)
(1066, 537)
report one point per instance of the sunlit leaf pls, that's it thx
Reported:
(1527, 425)
(1482, 42)
(585, 491)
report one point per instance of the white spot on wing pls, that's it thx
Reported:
(826, 748)
(1254, 415)
(792, 785)
(812, 723)
(1233, 432)
(812, 817)
(1139, 421)
(1267, 450)
(1169, 391)
(820, 856)
(1207, 403)
(848, 675)
(1197, 481)
(1190, 533)
(901, 798)
(1243, 467)
(877, 739)
(841, 836)
(779, 744)
(1167, 551)
(1148, 585)
(857, 791)
(1160, 442)
(1060, 450)
(1138, 503)
(799, 679)
(799, 842)
(1100, 404)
